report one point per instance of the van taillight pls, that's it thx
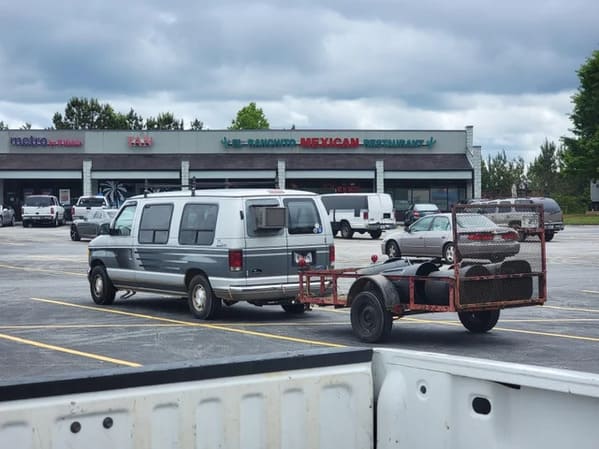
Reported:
(235, 259)
(73, 211)
(52, 210)
(332, 255)
(365, 215)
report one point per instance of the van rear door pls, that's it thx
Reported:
(308, 235)
(265, 253)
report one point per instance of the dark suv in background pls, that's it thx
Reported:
(554, 218)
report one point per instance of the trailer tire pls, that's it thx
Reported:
(479, 322)
(370, 320)
(294, 308)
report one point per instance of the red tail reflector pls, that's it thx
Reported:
(365, 215)
(52, 210)
(235, 259)
(332, 255)
(509, 236)
(480, 236)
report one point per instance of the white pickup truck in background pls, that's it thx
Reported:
(87, 204)
(42, 209)
(341, 398)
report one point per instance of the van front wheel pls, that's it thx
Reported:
(202, 302)
(101, 287)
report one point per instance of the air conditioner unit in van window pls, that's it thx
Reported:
(271, 217)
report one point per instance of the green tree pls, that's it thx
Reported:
(499, 174)
(164, 120)
(27, 125)
(581, 155)
(81, 113)
(3, 126)
(250, 117)
(196, 125)
(543, 173)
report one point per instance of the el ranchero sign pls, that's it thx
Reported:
(329, 142)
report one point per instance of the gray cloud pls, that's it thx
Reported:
(312, 63)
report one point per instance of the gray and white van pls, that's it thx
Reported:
(213, 246)
(359, 212)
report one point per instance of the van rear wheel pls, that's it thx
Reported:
(375, 234)
(346, 231)
(201, 300)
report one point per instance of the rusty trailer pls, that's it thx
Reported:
(476, 289)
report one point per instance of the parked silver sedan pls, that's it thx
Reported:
(88, 228)
(432, 236)
(7, 215)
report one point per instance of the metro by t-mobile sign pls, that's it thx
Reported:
(32, 141)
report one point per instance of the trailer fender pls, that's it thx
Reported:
(379, 283)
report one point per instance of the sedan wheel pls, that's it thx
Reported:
(74, 234)
(449, 253)
(393, 249)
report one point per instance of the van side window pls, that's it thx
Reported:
(345, 202)
(504, 206)
(302, 216)
(155, 223)
(124, 221)
(198, 223)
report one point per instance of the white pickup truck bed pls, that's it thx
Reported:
(316, 399)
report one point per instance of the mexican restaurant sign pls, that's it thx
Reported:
(329, 142)
(44, 142)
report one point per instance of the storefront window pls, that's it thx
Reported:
(439, 197)
(421, 196)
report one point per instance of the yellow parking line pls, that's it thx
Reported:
(88, 355)
(192, 324)
(41, 270)
(78, 326)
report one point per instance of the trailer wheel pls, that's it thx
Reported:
(294, 308)
(479, 322)
(370, 320)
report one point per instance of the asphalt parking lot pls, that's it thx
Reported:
(49, 325)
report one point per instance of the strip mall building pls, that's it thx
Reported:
(414, 166)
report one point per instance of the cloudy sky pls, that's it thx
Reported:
(508, 68)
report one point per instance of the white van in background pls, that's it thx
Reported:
(359, 212)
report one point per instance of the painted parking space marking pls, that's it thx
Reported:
(594, 292)
(192, 324)
(42, 270)
(88, 355)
